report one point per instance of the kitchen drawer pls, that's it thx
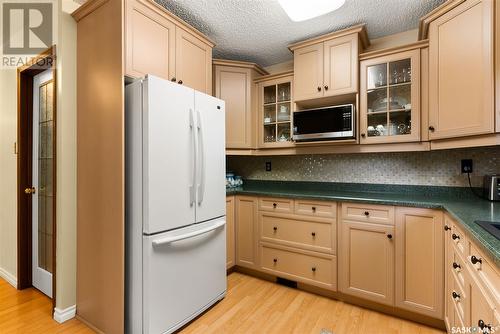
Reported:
(457, 320)
(458, 267)
(484, 271)
(383, 214)
(282, 205)
(460, 300)
(459, 240)
(316, 208)
(298, 266)
(293, 231)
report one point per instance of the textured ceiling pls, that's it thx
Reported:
(259, 30)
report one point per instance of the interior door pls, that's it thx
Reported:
(211, 161)
(42, 190)
(168, 156)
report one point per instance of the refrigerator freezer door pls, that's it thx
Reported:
(211, 161)
(168, 156)
(184, 274)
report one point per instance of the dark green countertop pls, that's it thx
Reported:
(460, 203)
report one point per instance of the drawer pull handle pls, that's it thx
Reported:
(431, 128)
(313, 269)
(474, 259)
(481, 324)
(326, 87)
(446, 228)
(275, 229)
(367, 213)
(455, 295)
(455, 237)
(275, 260)
(180, 82)
(389, 236)
(173, 79)
(456, 265)
(275, 205)
(319, 89)
(313, 234)
(313, 209)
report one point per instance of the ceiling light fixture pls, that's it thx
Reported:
(299, 10)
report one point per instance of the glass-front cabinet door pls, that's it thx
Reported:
(390, 94)
(275, 105)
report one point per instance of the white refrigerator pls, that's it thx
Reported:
(175, 204)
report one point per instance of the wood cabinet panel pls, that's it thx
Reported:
(233, 85)
(316, 208)
(481, 308)
(367, 261)
(308, 72)
(382, 214)
(246, 224)
(149, 42)
(419, 261)
(461, 76)
(282, 205)
(316, 235)
(340, 65)
(230, 235)
(193, 62)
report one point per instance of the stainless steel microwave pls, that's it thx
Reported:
(327, 123)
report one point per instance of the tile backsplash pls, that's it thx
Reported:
(437, 168)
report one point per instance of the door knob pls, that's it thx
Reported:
(31, 190)
(446, 228)
(456, 265)
(326, 87)
(455, 295)
(363, 135)
(454, 236)
(431, 128)
(389, 236)
(474, 259)
(173, 79)
(180, 82)
(319, 89)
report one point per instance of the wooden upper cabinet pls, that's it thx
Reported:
(461, 76)
(420, 261)
(328, 65)
(340, 65)
(158, 43)
(234, 84)
(193, 61)
(308, 72)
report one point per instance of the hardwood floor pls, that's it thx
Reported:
(256, 306)
(30, 311)
(251, 306)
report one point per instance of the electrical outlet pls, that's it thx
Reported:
(268, 166)
(466, 166)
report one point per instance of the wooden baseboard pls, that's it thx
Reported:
(390, 310)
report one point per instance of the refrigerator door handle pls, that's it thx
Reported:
(201, 165)
(189, 235)
(192, 191)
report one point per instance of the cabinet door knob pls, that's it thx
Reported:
(456, 265)
(389, 236)
(481, 324)
(319, 89)
(173, 79)
(275, 260)
(326, 87)
(455, 237)
(455, 295)
(275, 205)
(447, 228)
(367, 213)
(363, 135)
(313, 209)
(275, 229)
(431, 128)
(180, 82)
(30, 191)
(313, 269)
(313, 234)
(474, 259)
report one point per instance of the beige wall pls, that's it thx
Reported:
(8, 175)
(66, 164)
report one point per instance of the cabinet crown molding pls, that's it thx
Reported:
(273, 76)
(359, 29)
(423, 26)
(243, 64)
(392, 50)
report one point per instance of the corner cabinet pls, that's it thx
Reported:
(390, 98)
(234, 83)
(158, 43)
(461, 71)
(328, 65)
(274, 121)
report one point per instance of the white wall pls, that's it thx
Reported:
(8, 175)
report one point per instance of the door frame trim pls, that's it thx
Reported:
(43, 61)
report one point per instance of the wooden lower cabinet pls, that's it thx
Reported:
(230, 236)
(246, 224)
(419, 261)
(366, 266)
